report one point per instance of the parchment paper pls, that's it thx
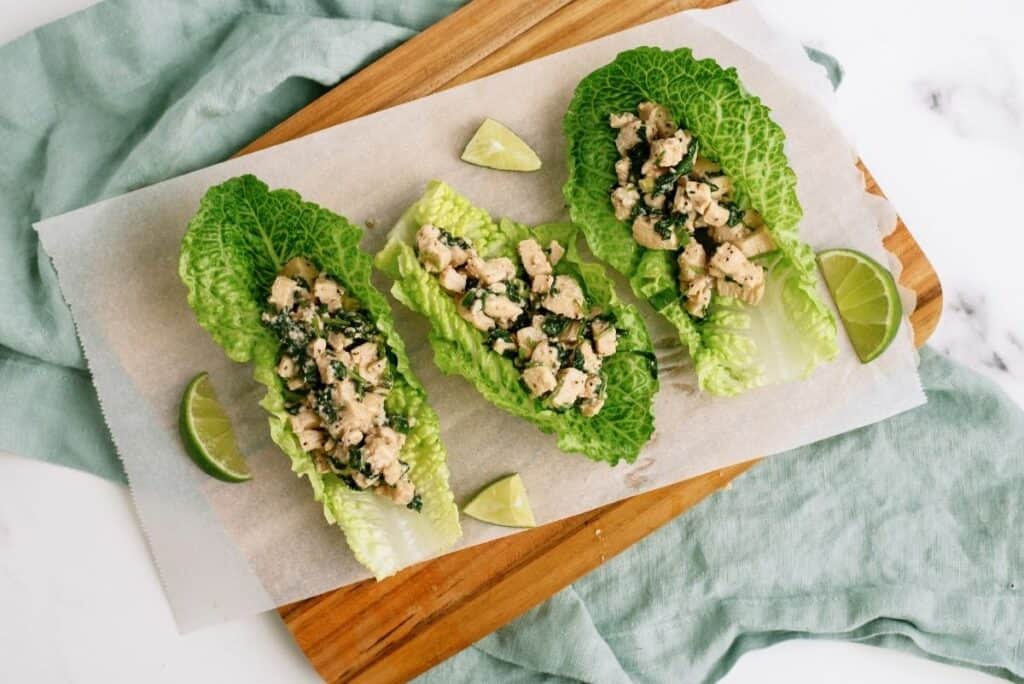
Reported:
(225, 551)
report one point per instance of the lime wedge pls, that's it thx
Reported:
(207, 433)
(496, 147)
(866, 296)
(502, 503)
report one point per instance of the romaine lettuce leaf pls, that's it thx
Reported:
(735, 347)
(235, 245)
(625, 423)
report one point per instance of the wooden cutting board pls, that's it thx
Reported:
(392, 630)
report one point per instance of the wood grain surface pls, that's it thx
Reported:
(392, 630)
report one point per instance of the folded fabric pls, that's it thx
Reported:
(904, 534)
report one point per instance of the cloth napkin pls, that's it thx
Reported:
(904, 534)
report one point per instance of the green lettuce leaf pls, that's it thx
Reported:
(625, 423)
(235, 245)
(735, 347)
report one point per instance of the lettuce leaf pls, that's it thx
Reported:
(234, 247)
(625, 423)
(735, 347)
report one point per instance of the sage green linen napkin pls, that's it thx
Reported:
(904, 534)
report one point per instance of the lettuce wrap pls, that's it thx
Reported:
(734, 347)
(625, 423)
(234, 247)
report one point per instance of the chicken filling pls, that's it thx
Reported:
(679, 201)
(333, 362)
(528, 313)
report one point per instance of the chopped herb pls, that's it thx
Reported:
(471, 297)
(399, 423)
(325, 405)
(452, 240)
(669, 225)
(355, 325)
(359, 383)
(291, 335)
(355, 457)
(735, 213)
(516, 291)
(416, 504)
(496, 334)
(310, 373)
(291, 396)
(638, 154)
(554, 325)
(367, 470)
(666, 181)
(565, 355)
(524, 320)
(340, 371)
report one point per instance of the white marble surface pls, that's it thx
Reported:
(931, 90)
(933, 98)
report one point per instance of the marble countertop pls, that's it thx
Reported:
(926, 94)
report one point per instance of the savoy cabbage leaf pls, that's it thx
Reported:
(735, 347)
(626, 422)
(235, 245)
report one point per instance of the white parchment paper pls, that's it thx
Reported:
(229, 550)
